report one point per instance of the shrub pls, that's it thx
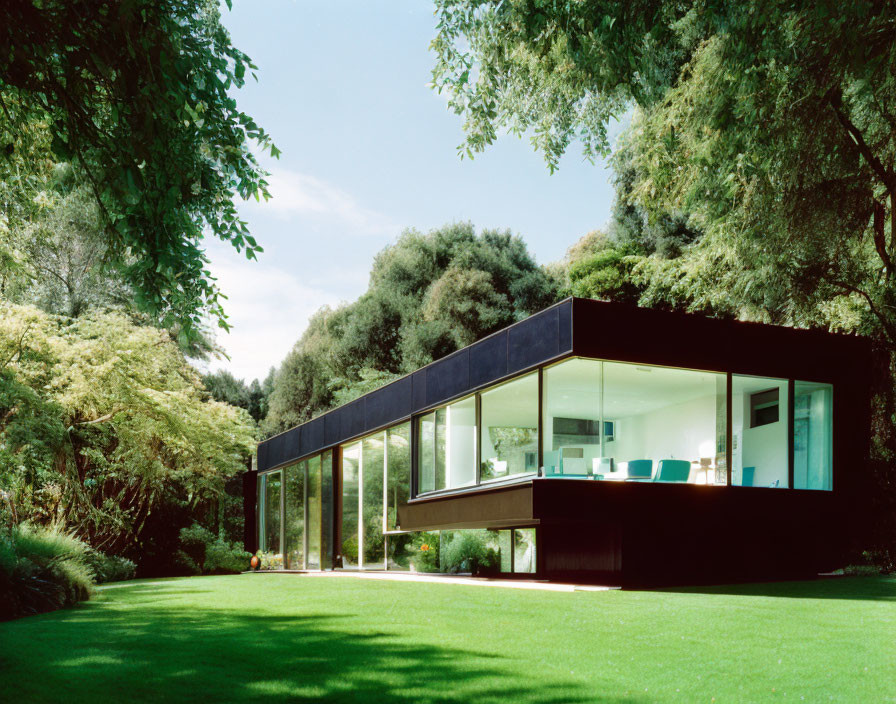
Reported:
(425, 552)
(202, 552)
(468, 551)
(42, 569)
(110, 568)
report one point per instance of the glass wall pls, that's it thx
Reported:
(312, 513)
(524, 550)
(759, 442)
(572, 420)
(376, 486)
(294, 518)
(327, 507)
(373, 458)
(351, 483)
(398, 474)
(271, 514)
(813, 437)
(447, 449)
(661, 423)
(509, 435)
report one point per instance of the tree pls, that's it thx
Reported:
(225, 387)
(103, 422)
(429, 295)
(769, 126)
(136, 94)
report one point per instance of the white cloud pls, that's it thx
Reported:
(294, 193)
(268, 308)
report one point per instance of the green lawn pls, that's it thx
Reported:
(286, 637)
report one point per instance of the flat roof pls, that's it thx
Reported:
(586, 328)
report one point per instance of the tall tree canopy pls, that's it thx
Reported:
(103, 423)
(137, 94)
(765, 126)
(429, 295)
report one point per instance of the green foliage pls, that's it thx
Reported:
(225, 387)
(603, 270)
(558, 70)
(424, 551)
(203, 552)
(429, 295)
(468, 551)
(41, 569)
(103, 421)
(109, 568)
(137, 94)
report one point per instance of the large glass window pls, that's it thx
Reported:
(376, 487)
(447, 452)
(351, 484)
(661, 424)
(813, 444)
(327, 504)
(759, 443)
(572, 419)
(373, 551)
(524, 550)
(509, 435)
(271, 534)
(398, 474)
(294, 524)
(312, 514)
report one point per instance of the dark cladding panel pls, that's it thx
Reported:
(353, 420)
(333, 426)
(418, 389)
(448, 377)
(388, 404)
(533, 340)
(280, 449)
(564, 337)
(312, 436)
(488, 359)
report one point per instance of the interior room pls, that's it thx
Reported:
(759, 444)
(615, 421)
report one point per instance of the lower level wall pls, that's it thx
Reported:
(644, 534)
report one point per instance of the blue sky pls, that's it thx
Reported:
(368, 150)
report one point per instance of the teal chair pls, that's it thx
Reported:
(640, 470)
(673, 471)
(552, 463)
(748, 474)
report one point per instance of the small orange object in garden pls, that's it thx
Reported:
(424, 547)
(254, 562)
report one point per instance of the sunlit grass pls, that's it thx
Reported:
(286, 637)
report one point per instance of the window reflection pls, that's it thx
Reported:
(294, 523)
(813, 442)
(447, 453)
(509, 434)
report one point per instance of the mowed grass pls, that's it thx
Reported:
(294, 638)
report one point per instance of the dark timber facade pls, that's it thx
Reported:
(635, 447)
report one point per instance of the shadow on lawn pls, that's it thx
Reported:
(850, 588)
(146, 649)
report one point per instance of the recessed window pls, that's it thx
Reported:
(764, 408)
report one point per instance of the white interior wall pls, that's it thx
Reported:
(678, 432)
(460, 446)
(765, 447)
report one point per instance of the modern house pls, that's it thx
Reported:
(590, 442)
